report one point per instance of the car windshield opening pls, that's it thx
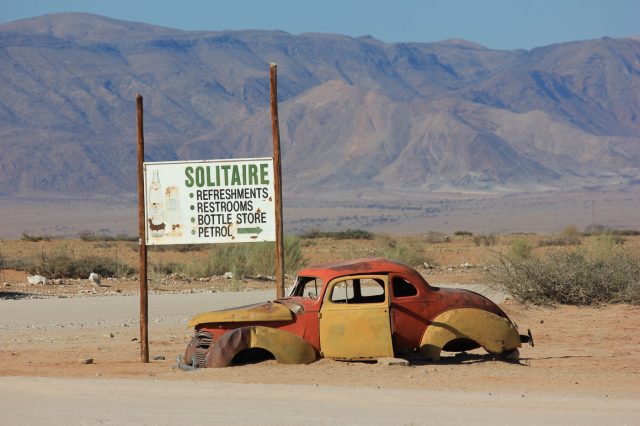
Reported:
(307, 287)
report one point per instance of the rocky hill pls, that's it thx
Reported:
(355, 113)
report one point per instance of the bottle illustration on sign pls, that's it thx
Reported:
(155, 208)
(173, 215)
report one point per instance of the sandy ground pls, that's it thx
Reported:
(585, 368)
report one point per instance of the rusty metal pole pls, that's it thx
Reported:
(277, 171)
(144, 296)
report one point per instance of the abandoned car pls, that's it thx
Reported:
(360, 309)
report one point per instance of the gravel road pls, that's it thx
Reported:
(110, 311)
(157, 402)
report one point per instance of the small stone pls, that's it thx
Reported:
(159, 358)
(135, 339)
(109, 335)
(392, 361)
(86, 361)
(540, 321)
(37, 279)
(94, 278)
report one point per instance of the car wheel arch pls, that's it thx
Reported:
(494, 333)
(286, 347)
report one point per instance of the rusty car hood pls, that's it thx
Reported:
(259, 312)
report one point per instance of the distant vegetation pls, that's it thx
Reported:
(349, 234)
(35, 238)
(463, 233)
(90, 236)
(602, 229)
(435, 237)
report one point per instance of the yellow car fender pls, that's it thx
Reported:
(493, 332)
(286, 347)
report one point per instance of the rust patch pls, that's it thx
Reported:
(269, 311)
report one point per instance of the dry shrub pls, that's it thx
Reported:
(35, 238)
(599, 274)
(568, 237)
(485, 240)
(65, 266)
(434, 237)
(463, 233)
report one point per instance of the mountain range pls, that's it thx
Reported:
(355, 113)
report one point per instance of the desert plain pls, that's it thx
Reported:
(584, 368)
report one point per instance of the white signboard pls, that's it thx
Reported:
(205, 202)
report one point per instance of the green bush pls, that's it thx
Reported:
(586, 277)
(520, 248)
(249, 259)
(395, 250)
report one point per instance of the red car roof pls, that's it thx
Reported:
(359, 266)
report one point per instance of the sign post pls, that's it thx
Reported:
(209, 202)
(275, 128)
(144, 297)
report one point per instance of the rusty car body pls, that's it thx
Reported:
(359, 309)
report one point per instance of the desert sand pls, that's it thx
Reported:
(585, 368)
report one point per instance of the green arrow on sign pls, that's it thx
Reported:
(256, 230)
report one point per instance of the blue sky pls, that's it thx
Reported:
(500, 24)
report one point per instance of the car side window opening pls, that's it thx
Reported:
(402, 287)
(307, 287)
(358, 291)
